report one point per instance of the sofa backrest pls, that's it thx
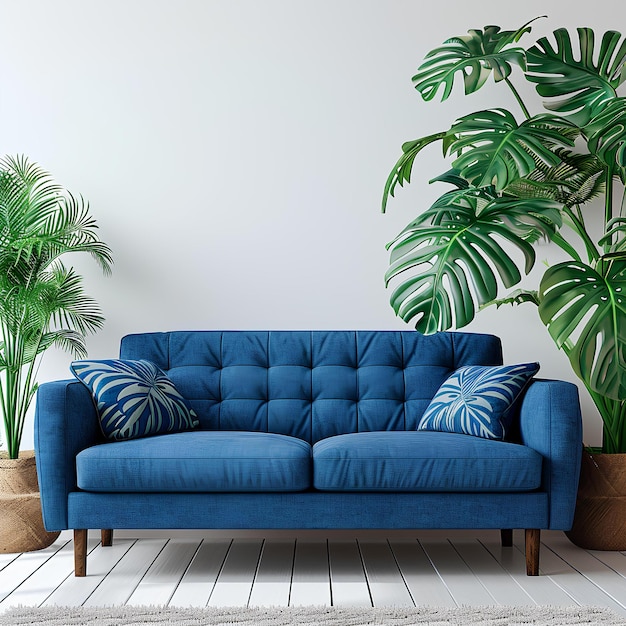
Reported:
(310, 384)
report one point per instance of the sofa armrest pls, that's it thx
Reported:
(551, 423)
(65, 423)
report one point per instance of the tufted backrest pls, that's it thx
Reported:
(310, 384)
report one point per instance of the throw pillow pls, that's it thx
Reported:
(134, 398)
(476, 400)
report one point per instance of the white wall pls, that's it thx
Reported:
(234, 151)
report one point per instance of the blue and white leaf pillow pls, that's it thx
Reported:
(134, 398)
(476, 400)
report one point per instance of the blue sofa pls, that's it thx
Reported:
(309, 430)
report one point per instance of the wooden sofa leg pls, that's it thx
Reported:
(107, 537)
(506, 537)
(80, 552)
(533, 542)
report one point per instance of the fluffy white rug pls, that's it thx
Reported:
(309, 616)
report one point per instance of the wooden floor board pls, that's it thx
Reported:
(580, 588)
(46, 578)
(465, 587)
(386, 584)
(119, 585)
(163, 576)
(435, 568)
(6, 559)
(272, 584)
(615, 560)
(310, 581)
(22, 568)
(234, 583)
(542, 589)
(493, 576)
(422, 579)
(74, 591)
(347, 577)
(198, 581)
(600, 574)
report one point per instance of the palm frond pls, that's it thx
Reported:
(42, 303)
(576, 180)
(67, 304)
(67, 340)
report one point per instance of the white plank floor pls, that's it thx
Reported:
(436, 568)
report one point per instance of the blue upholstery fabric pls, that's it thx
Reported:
(197, 462)
(477, 400)
(550, 422)
(309, 509)
(423, 461)
(134, 398)
(65, 423)
(308, 385)
(312, 384)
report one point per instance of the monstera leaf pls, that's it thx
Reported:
(454, 248)
(495, 150)
(451, 177)
(401, 172)
(475, 56)
(585, 312)
(577, 84)
(607, 133)
(519, 296)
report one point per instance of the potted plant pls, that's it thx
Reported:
(42, 304)
(516, 178)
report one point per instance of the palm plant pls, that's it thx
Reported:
(42, 302)
(515, 180)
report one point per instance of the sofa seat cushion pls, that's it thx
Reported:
(423, 461)
(200, 461)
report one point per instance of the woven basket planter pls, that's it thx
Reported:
(21, 525)
(600, 518)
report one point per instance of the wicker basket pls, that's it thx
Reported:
(600, 518)
(21, 525)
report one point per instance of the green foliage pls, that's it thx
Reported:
(401, 172)
(577, 85)
(584, 310)
(42, 303)
(474, 56)
(494, 150)
(516, 181)
(607, 134)
(454, 246)
(519, 296)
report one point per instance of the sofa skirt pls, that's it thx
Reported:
(308, 510)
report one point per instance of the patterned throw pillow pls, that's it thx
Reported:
(476, 400)
(134, 398)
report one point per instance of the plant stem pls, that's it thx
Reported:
(615, 439)
(613, 414)
(579, 228)
(8, 392)
(608, 203)
(27, 391)
(518, 98)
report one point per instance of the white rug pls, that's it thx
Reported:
(311, 616)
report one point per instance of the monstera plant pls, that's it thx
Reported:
(518, 177)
